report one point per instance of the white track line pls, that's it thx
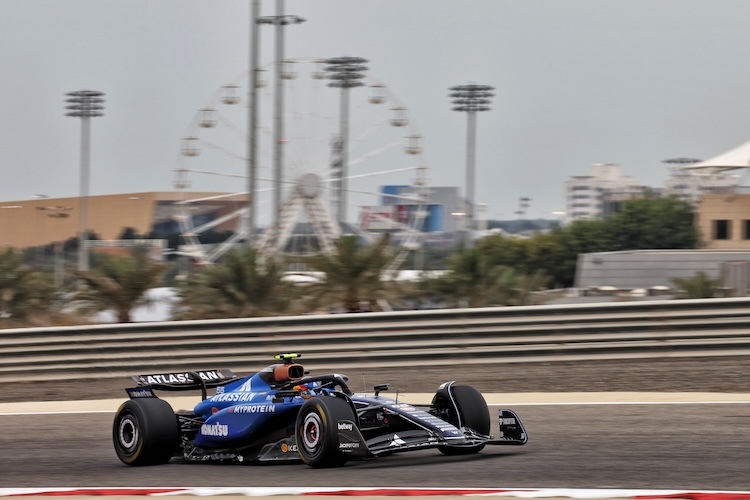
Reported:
(588, 494)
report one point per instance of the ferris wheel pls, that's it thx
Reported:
(384, 184)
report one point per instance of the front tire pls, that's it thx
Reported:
(317, 431)
(472, 413)
(145, 432)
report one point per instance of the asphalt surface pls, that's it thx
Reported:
(605, 446)
(601, 446)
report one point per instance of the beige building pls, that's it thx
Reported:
(40, 221)
(723, 213)
(724, 221)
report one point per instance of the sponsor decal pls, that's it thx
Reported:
(507, 421)
(405, 407)
(429, 419)
(435, 422)
(179, 378)
(285, 448)
(348, 446)
(345, 426)
(141, 393)
(217, 430)
(252, 409)
(397, 441)
(235, 397)
(246, 386)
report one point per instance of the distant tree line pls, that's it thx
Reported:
(645, 223)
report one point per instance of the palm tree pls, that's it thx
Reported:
(352, 273)
(473, 281)
(699, 286)
(243, 285)
(26, 294)
(469, 279)
(518, 289)
(118, 283)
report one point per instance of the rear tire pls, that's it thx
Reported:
(145, 432)
(473, 413)
(317, 431)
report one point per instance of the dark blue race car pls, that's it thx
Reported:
(282, 413)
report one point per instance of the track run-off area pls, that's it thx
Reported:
(585, 445)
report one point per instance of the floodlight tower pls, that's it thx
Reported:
(84, 104)
(252, 122)
(470, 98)
(345, 73)
(279, 20)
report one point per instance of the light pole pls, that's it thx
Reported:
(279, 20)
(470, 98)
(84, 104)
(252, 122)
(523, 204)
(560, 216)
(345, 73)
(39, 233)
(460, 221)
(57, 212)
(135, 212)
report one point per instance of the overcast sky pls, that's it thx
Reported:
(578, 82)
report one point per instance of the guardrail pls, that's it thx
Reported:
(709, 327)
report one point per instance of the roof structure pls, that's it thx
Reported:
(733, 159)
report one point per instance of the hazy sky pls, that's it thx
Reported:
(578, 82)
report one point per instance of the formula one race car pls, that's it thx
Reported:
(282, 413)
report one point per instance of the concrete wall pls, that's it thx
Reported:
(646, 268)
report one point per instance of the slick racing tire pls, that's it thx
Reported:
(473, 413)
(145, 432)
(317, 431)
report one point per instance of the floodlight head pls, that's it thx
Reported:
(84, 103)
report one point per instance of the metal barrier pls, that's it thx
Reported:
(620, 330)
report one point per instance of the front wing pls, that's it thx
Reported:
(353, 443)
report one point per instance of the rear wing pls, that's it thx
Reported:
(185, 381)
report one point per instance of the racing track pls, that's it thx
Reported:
(686, 446)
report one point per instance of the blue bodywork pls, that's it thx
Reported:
(256, 417)
(241, 409)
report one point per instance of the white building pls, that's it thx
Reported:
(598, 193)
(689, 184)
